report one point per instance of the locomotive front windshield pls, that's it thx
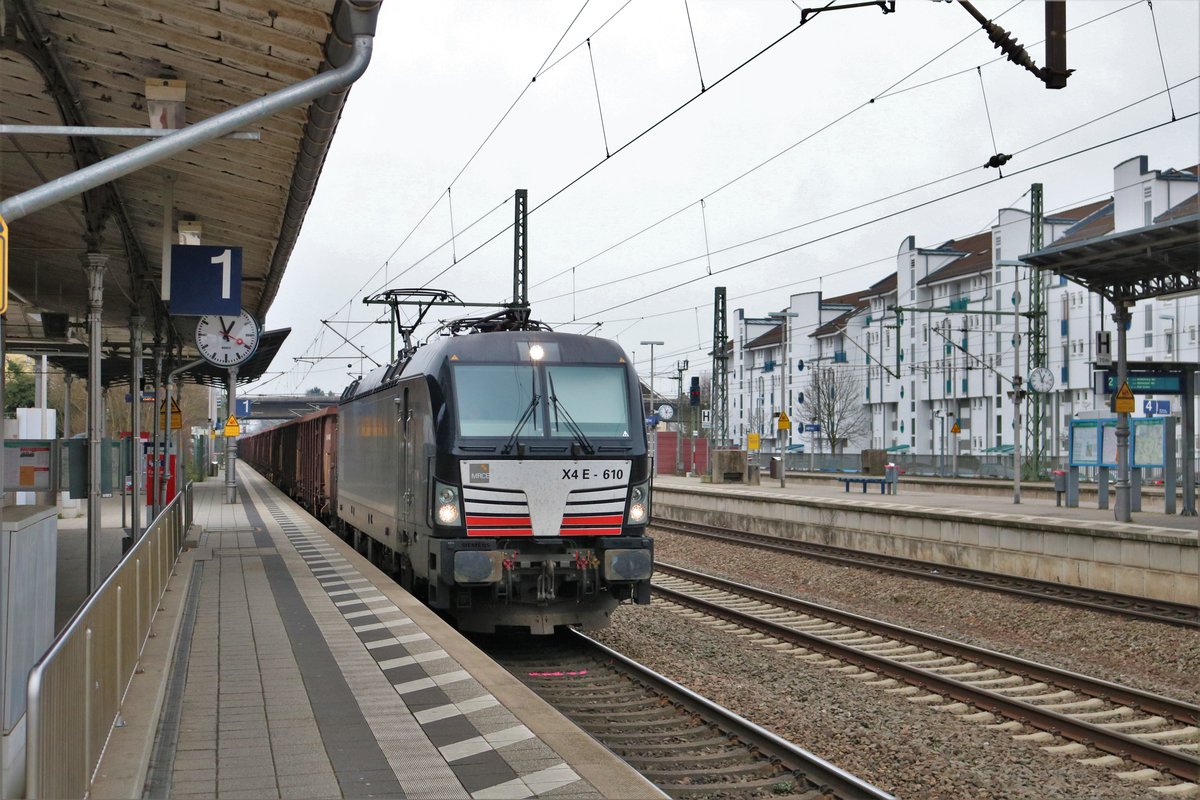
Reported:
(594, 398)
(493, 399)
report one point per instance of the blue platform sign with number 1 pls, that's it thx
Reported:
(205, 279)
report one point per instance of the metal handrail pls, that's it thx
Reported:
(76, 690)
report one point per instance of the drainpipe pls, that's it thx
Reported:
(360, 20)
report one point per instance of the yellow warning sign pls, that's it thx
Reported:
(785, 424)
(752, 441)
(176, 415)
(955, 428)
(231, 426)
(1123, 404)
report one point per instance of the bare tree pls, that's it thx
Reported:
(833, 399)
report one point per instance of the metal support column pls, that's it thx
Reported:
(157, 455)
(135, 422)
(1123, 511)
(719, 394)
(231, 444)
(94, 264)
(68, 379)
(1189, 438)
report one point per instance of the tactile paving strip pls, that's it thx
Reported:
(483, 744)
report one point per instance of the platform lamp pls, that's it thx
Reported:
(654, 440)
(783, 317)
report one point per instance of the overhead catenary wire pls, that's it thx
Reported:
(1161, 60)
(1063, 133)
(630, 142)
(907, 209)
(875, 201)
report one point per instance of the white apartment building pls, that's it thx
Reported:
(932, 344)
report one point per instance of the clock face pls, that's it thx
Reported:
(665, 411)
(1041, 380)
(227, 340)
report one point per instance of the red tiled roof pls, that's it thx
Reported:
(977, 258)
(1185, 209)
(1099, 223)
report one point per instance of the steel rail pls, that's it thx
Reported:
(1061, 724)
(1134, 606)
(814, 768)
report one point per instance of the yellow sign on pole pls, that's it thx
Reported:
(231, 426)
(752, 440)
(785, 424)
(955, 428)
(3, 266)
(1124, 401)
(176, 415)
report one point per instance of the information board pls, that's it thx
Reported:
(1108, 443)
(1149, 442)
(1085, 443)
(28, 465)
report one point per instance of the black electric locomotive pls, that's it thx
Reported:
(503, 476)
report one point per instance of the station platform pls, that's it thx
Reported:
(1156, 556)
(283, 664)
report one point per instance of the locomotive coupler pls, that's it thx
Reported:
(545, 582)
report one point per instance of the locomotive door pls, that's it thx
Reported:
(405, 488)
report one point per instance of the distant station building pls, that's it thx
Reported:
(930, 347)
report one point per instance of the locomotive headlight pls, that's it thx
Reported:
(639, 504)
(446, 505)
(536, 352)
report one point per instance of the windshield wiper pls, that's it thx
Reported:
(529, 409)
(580, 437)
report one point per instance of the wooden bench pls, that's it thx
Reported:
(886, 486)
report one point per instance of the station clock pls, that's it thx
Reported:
(227, 341)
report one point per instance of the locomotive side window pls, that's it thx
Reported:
(492, 398)
(595, 398)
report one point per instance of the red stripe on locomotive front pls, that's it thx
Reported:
(606, 519)
(590, 532)
(480, 521)
(499, 531)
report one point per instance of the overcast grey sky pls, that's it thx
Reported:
(837, 203)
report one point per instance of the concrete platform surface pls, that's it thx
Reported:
(911, 495)
(286, 665)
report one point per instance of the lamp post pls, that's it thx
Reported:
(783, 317)
(1018, 394)
(654, 439)
(680, 368)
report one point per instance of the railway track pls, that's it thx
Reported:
(977, 684)
(686, 745)
(1112, 602)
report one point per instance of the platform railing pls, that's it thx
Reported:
(76, 690)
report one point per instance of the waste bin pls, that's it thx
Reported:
(890, 474)
(775, 466)
(1060, 485)
(212, 469)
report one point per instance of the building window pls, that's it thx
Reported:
(1170, 342)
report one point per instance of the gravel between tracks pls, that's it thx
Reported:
(911, 751)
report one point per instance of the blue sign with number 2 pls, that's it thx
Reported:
(205, 279)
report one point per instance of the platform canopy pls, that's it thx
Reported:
(1153, 261)
(88, 64)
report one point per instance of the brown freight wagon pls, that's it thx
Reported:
(300, 457)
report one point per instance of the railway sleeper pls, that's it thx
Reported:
(671, 749)
(1089, 704)
(1171, 735)
(691, 736)
(1134, 724)
(676, 763)
(745, 774)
